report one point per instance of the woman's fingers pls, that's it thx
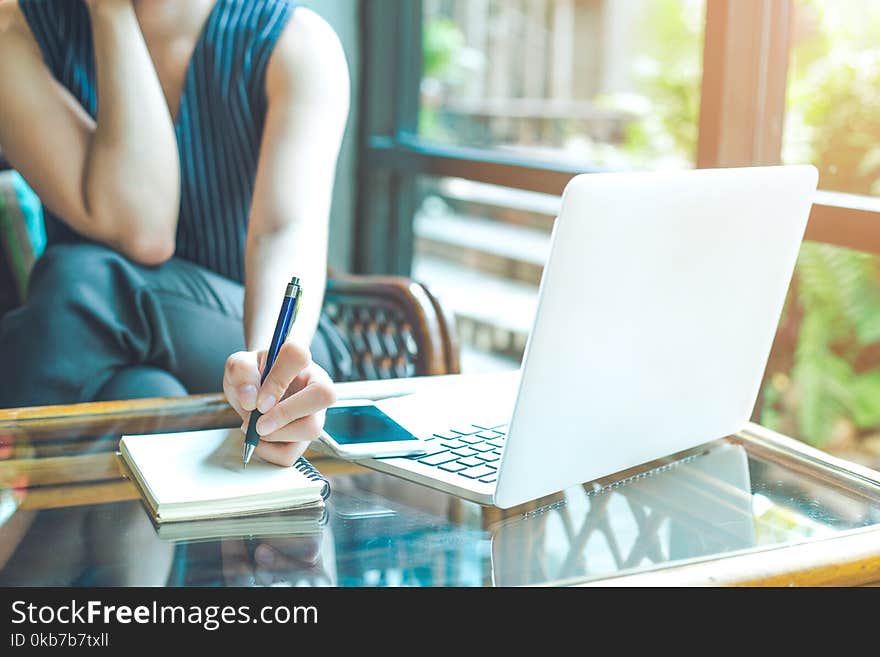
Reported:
(314, 397)
(284, 454)
(304, 429)
(241, 381)
(291, 360)
(288, 551)
(238, 566)
(294, 562)
(287, 426)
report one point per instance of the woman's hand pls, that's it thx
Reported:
(293, 399)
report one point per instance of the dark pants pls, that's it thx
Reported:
(98, 327)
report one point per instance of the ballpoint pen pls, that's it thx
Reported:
(286, 318)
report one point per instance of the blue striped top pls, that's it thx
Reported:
(219, 123)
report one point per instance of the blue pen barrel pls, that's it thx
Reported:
(282, 328)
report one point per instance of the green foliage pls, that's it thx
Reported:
(667, 75)
(441, 42)
(833, 122)
(839, 101)
(834, 93)
(838, 292)
(442, 45)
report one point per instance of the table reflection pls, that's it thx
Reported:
(696, 507)
(101, 545)
(382, 531)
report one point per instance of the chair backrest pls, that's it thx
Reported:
(394, 326)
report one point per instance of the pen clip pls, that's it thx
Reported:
(296, 303)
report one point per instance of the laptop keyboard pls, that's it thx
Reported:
(472, 451)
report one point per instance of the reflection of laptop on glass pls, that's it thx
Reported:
(699, 507)
(656, 315)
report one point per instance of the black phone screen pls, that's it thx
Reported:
(352, 425)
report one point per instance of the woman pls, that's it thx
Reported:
(185, 155)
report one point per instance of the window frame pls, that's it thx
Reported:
(742, 105)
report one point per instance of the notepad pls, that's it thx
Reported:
(198, 475)
(306, 521)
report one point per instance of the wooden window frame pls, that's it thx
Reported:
(745, 66)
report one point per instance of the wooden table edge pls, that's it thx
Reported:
(849, 559)
(213, 402)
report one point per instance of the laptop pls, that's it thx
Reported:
(657, 310)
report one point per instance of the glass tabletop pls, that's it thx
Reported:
(68, 517)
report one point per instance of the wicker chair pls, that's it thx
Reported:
(394, 326)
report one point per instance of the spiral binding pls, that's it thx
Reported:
(312, 473)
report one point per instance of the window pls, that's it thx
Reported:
(823, 382)
(482, 248)
(587, 84)
(478, 112)
(833, 93)
(823, 378)
(599, 83)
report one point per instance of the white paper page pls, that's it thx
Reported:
(201, 466)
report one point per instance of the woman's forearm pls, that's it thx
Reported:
(131, 180)
(272, 259)
(289, 225)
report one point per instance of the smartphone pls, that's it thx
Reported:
(358, 429)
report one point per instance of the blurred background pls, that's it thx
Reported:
(589, 85)
(469, 117)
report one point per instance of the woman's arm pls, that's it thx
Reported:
(117, 181)
(308, 89)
